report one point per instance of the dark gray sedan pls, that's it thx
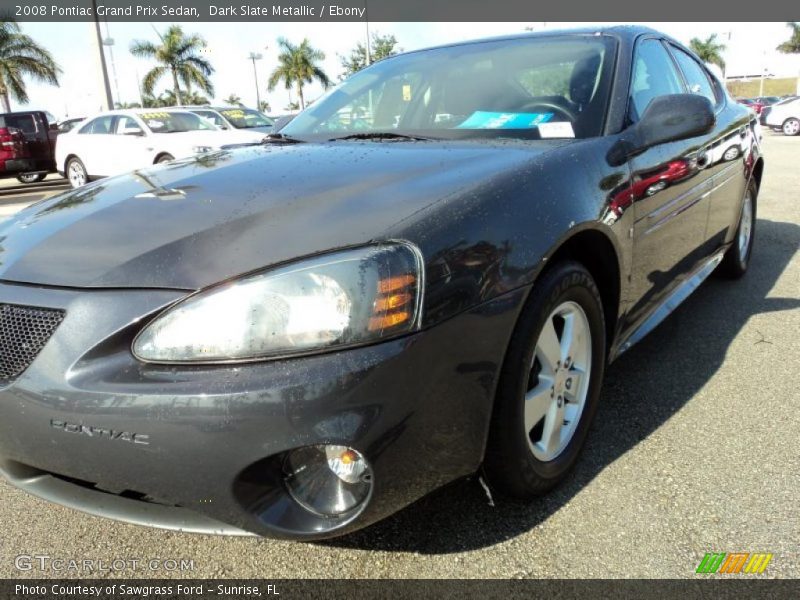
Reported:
(423, 274)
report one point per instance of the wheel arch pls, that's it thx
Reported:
(161, 155)
(595, 250)
(68, 158)
(758, 172)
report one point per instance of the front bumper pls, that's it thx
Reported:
(417, 407)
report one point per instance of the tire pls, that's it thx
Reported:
(737, 258)
(517, 463)
(31, 177)
(76, 172)
(164, 158)
(791, 126)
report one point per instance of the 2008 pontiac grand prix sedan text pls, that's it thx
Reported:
(426, 272)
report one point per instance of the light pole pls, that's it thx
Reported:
(109, 41)
(109, 102)
(366, 25)
(254, 56)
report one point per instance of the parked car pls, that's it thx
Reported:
(301, 337)
(236, 118)
(27, 141)
(753, 103)
(785, 116)
(766, 102)
(282, 121)
(123, 140)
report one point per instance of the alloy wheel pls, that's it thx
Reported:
(76, 174)
(558, 381)
(791, 127)
(745, 226)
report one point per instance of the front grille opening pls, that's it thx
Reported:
(24, 330)
(96, 487)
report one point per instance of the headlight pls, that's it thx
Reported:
(341, 299)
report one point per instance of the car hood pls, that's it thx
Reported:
(201, 220)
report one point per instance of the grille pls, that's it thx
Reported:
(24, 330)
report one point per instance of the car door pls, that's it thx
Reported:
(127, 147)
(723, 158)
(669, 189)
(92, 143)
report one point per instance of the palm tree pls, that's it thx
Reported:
(20, 55)
(178, 55)
(265, 107)
(792, 45)
(298, 65)
(709, 50)
(233, 100)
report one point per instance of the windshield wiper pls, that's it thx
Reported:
(382, 135)
(280, 138)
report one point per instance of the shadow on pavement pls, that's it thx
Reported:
(643, 389)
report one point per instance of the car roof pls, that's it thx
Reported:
(629, 32)
(141, 111)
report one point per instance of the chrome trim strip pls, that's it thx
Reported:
(676, 212)
(668, 206)
(672, 301)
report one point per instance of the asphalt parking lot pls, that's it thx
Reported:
(695, 449)
(15, 196)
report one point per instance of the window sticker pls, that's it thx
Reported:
(559, 129)
(504, 120)
(154, 115)
(406, 93)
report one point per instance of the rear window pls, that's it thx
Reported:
(25, 123)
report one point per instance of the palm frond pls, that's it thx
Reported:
(151, 78)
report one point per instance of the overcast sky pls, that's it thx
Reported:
(751, 48)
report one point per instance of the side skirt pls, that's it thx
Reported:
(671, 302)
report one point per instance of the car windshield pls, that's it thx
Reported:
(246, 118)
(174, 122)
(526, 88)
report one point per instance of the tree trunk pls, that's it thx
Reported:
(175, 87)
(300, 94)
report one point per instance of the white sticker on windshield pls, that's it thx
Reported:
(559, 129)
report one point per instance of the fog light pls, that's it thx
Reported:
(328, 480)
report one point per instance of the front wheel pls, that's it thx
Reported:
(791, 127)
(76, 172)
(549, 386)
(31, 177)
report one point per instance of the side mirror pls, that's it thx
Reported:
(667, 119)
(53, 127)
